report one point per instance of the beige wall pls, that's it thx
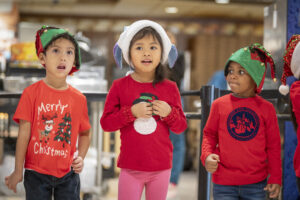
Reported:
(210, 53)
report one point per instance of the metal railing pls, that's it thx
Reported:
(207, 94)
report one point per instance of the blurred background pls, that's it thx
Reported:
(207, 33)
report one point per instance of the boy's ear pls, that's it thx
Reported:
(42, 58)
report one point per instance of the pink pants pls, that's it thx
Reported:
(132, 183)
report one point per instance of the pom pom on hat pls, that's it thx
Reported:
(290, 69)
(121, 48)
(284, 89)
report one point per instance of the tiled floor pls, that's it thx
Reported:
(187, 189)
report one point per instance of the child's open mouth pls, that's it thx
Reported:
(146, 61)
(61, 67)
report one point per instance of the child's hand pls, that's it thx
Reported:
(142, 110)
(161, 108)
(273, 190)
(211, 162)
(77, 164)
(12, 180)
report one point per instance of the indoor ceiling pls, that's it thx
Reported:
(251, 10)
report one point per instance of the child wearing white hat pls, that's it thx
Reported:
(290, 83)
(144, 105)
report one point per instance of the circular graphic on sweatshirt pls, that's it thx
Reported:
(145, 126)
(243, 124)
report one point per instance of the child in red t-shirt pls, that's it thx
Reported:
(241, 139)
(52, 115)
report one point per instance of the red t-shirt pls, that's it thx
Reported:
(145, 145)
(295, 99)
(244, 133)
(56, 117)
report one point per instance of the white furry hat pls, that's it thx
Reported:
(169, 52)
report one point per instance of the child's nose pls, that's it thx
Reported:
(63, 56)
(146, 53)
(233, 75)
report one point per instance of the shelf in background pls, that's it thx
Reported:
(27, 72)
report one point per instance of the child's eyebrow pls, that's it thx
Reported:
(138, 43)
(154, 42)
(55, 45)
(141, 43)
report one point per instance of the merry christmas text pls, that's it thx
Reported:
(52, 107)
(50, 151)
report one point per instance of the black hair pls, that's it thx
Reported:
(176, 73)
(226, 68)
(160, 71)
(66, 36)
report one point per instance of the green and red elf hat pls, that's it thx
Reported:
(291, 67)
(47, 34)
(254, 60)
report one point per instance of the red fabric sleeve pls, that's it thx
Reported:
(85, 122)
(273, 148)
(24, 109)
(176, 120)
(295, 96)
(115, 117)
(210, 134)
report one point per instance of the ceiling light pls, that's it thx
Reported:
(171, 9)
(222, 1)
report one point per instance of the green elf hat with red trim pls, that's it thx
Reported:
(291, 67)
(254, 60)
(47, 34)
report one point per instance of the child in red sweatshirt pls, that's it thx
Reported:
(241, 139)
(291, 84)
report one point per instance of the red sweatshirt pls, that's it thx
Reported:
(295, 99)
(153, 151)
(244, 132)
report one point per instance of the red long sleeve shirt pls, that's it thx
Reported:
(244, 132)
(151, 152)
(295, 99)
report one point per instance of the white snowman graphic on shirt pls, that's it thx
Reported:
(145, 126)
